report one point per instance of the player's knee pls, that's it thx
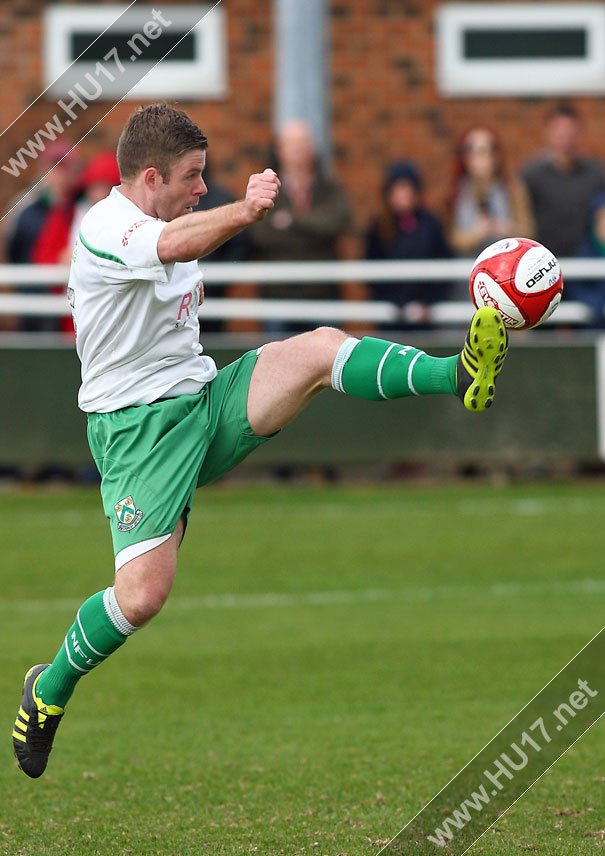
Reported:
(141, 606)
(328, 337)
(141, 597)
(325, 342)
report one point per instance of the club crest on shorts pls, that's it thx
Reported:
(127, 513)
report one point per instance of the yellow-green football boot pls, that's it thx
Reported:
(480, 361)
(35, 727)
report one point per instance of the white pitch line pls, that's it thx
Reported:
(280, 600)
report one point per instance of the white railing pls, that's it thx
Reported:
(297, 274)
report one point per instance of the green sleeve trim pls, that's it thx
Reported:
(100, 253)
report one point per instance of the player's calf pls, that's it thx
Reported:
(378, 370)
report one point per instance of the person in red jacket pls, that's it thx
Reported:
(42, 229)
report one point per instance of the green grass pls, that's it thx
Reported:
(328, 660)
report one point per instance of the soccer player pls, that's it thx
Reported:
(162, 421)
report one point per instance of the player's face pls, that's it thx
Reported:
(182, 191)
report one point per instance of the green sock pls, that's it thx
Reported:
(100, 629)
(376, 370)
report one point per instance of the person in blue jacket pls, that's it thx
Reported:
(406, 229)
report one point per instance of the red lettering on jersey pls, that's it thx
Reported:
(185, 304)
(128, 233)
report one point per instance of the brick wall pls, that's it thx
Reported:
(384, 100)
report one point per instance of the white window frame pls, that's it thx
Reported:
(203, 77)
(459, 76)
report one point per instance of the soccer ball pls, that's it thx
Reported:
(520, 278)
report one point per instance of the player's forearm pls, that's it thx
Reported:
(195, 235)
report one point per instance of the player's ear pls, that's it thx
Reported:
(152, 177)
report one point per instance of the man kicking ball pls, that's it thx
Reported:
(162, 420)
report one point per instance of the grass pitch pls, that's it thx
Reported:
(328, 660)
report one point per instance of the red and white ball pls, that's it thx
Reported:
(520, 278)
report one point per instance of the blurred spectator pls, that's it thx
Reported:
(485, 205)
(237, 249)
(592, 292)
(41, 231)
(561, 183)
(95, 183)
(405, 229)
(311, 219)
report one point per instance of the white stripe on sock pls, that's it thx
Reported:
(115, 614)
(84, 671)
(380, 366)
(411, 369)
(98, 653)
(343, 354)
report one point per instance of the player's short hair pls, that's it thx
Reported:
(157, 136)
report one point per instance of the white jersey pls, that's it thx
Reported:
(136, 319)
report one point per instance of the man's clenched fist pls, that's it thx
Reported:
(261, 193)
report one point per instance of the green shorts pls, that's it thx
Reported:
(152, 457)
